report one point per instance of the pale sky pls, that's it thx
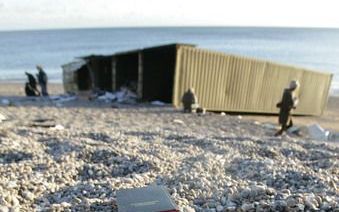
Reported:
(47, 14)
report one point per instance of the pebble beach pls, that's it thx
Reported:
(85, 151)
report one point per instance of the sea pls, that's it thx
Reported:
(312, 48)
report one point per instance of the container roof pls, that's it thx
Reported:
(134, 51)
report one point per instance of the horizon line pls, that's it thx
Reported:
(169, 26)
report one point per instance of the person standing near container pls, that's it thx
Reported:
(42, 78)
(289, 101)
(189, 100)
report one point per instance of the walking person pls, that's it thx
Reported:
(42, 78)
(289, 101)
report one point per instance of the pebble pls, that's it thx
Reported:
(4, 209)
(188, 209)
(28, 195)
(247, 206)
(209, 163)
(220, 208)
(15, 201)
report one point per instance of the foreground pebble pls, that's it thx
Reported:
(208, 163)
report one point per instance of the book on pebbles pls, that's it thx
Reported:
(145, 199)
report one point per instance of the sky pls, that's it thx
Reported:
(49, 14)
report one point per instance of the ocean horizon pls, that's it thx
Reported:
(311, 48)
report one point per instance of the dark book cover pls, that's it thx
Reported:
(145, 199)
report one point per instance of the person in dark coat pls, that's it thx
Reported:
(32, 83)
(29, 90)
(289, 101)
(188, 100)
(42, 79)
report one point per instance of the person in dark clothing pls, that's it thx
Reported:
(189, 99)
(29, 90)
(42, 78)
(32, 83)
(289, 101)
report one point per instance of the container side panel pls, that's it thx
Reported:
(231, 83)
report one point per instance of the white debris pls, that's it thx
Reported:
(2, 117)
(58, 127)
(5, 102)
(317, 132)
(178, 121)
(158, 103)
(124, 95)
(107, 96)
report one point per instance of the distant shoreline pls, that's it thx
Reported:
(161, 27)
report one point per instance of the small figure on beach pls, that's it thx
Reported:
(29, 90)
(32, 84)
(289, 101)
(189, 100)
(42, 79)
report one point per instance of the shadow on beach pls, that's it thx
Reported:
(75, 198)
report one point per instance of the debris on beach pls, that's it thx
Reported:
(58, 127)
(316, 132)
(43, 122)
(158, 103)
(178, 121)
(63, 98)
(149, 198)
(123, 95)
(108, 97)
(2, 117)
(5, 102)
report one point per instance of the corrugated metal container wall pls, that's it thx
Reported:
(70, 76)
(69, 80)
(233, 83)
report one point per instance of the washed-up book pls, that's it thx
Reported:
(145, 199)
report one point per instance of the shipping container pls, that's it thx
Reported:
(222, 82)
